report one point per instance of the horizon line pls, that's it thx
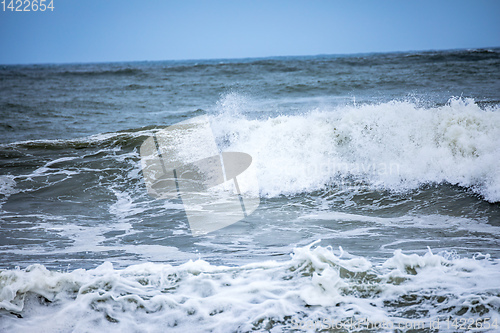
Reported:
(247, 58)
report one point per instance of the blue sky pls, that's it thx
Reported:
(114, 30)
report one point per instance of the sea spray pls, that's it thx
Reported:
(396, 146)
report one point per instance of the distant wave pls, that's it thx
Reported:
(100, 72)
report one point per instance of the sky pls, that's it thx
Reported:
(82, 31)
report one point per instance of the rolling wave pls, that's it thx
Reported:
(396, 146)
(392, 146)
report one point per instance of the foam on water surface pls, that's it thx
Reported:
(314, 284)
(365, 152)
(396, 146)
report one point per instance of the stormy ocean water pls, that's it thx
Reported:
(378, 180)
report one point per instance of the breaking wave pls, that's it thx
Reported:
(392, 146)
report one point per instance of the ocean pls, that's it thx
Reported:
(377, 188)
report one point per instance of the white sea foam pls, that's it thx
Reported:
(315, 284)
(7, 185)
(396, 146)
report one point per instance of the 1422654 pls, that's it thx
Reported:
(27, 5)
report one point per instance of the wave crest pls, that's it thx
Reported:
(396, 146)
